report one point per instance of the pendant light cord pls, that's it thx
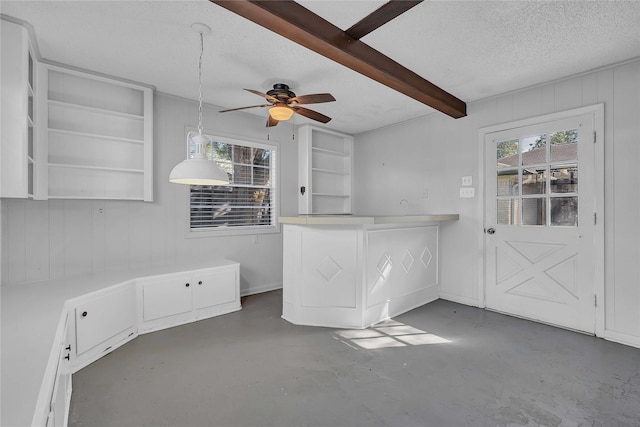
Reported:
(200, 83)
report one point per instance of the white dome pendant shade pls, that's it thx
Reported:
(199, 170)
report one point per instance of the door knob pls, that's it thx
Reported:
(491, 230)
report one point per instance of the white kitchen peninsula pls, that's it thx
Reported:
(349, 271)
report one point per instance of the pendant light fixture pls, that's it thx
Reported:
(198, 170)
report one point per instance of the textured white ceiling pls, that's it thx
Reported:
(472, 49)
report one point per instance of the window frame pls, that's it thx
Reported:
(275, 190)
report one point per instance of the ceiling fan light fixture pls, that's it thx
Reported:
(281, 112)
(199, 170)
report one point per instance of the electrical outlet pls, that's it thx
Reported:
(467, 181)
(425, 194)
(254, 240)
(467, 192)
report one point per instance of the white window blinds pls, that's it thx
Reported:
(249, 199)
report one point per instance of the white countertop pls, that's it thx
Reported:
(30, 316)
(364, 219)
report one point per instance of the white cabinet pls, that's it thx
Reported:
(61, 394)
(173, 299)
(165, 296)
(103, 320)
(325, 165)
(17, 144)
(97, 134)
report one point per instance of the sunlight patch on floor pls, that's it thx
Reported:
(387, 334)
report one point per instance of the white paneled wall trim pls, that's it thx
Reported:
(51, 330)
(431, 155)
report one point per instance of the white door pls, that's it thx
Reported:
(539, 222)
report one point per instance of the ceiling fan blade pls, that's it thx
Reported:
(314, 115)
(315, 98)
(243, 108)
(264, 95)
(271, 121)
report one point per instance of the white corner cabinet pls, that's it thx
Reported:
(96, 134)
(102, 321)
(18, 83)
(325, 162)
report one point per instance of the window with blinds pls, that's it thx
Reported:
(249, 200)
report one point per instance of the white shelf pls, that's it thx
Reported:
(331, 152)
(330, 171)
(95, 109)
(94, 135)
(99, 168)
(330, 195)
(93, 198)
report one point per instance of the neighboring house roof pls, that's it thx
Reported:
(559, 153)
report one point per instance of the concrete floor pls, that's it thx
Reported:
(443, 364)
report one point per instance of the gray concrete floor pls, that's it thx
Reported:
(443, 364)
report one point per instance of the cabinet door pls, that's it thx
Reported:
(59, 405)
(215, 287)
(166, 296)
(104, 316)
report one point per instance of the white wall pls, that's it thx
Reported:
(433, 153)
(44, 240)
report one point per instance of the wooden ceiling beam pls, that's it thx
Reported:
(298, 24)
(380, 16)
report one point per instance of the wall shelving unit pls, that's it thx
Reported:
(97, 133)
(18, 152)
(325, 171)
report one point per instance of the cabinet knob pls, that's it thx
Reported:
(187, 285)
(84, 314)
(200, 282)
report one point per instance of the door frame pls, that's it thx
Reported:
(598, 241)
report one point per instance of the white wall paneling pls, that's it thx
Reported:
(436, 151)
(45, 240)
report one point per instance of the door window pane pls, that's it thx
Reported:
(534, 180)
(564, 211)
(507, 153)
(564, 145)
(564, 179)
(508, 212)
(508, 183)
(534, 211)
(534, 150)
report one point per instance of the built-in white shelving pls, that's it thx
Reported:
(98, 134)
(18, 153)
(325, 171)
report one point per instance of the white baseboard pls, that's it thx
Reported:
(622, 338)
(459, 299)
(260, 289)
